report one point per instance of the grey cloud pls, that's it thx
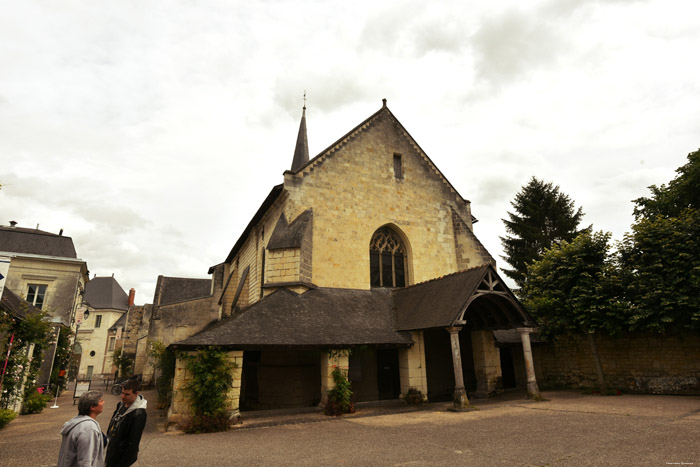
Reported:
(327, 91)
(437, 28)
(514, 43)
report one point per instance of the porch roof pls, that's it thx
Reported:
(322, 317)
(476, 297)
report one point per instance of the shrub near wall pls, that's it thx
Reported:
(645, 364)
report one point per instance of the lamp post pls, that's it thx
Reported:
(53, 360)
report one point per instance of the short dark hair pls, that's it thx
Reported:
(88, 400)
(132, 384)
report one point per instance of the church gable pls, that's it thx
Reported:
(356, 133)
(377, 176)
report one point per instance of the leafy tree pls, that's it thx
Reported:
(682, 192)
(575, 287)
(659, 258)
(122, 361)
(543, 217)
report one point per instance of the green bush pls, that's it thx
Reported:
(35, 402)
(208, 390)
(340, 397)
(414, 397)
(6, 416)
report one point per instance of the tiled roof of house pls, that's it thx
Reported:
(16, 305)
(120, 323)
(35, 242)
(105, 292)
(180, 289)
(322, 317)
(291, 235)
(327, 317)
(440, 302)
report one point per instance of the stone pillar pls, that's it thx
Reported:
(412, 366)
(461, 401)
(533, 392)
(181, 408)
(487, 364)
(235, 357)
(330, 361)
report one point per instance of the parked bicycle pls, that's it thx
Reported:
(117, 387)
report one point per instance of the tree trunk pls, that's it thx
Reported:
(596, 363)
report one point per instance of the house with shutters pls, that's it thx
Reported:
(45, 270)
(363, 258)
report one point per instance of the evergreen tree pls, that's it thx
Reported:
(543, 216)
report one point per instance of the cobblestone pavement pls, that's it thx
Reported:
(567, 429)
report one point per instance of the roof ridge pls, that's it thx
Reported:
(447, 275)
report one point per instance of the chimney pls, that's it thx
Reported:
(13, 223)
(60, 233)
(132, 294)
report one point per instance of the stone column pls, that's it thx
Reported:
(533, 392)
(487, 364)
(461, 401)
(412, 366)
(235, 357)
(329, 361)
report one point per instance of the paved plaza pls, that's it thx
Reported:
(568, 429)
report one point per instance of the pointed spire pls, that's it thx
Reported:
(301, 152)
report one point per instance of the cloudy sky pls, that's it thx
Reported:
(151, 131)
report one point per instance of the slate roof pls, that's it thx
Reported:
(35, 242)
(290, 235)
(120, 323)
(180, 289)
(440, 302)
(327, 317)
(105, 292)
(12, 302)
(323, 317)
(301, 150)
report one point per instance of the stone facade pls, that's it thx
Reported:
(314, 232)
(64, 280)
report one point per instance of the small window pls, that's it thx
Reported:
(112, 340)
(98, 321)
(398, 167)
(36, 294)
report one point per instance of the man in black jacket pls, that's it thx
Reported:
(126, 427)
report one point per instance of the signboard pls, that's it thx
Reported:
(4, 271)
(79, 316)
(81, 387)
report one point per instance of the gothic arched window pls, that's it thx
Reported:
(387, 259)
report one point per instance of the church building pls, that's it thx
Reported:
(364, 258)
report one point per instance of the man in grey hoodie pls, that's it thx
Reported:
(126, 426)
(83, 441)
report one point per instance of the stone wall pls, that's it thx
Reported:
(649, 364)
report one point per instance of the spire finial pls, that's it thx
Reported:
(384, 102)
(301, 151)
